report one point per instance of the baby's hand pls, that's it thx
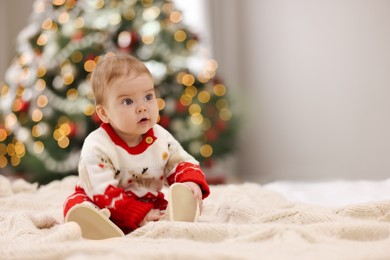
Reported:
(153, 215)
(197, 193)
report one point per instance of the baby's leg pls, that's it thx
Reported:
(93, 221)
(76, 198)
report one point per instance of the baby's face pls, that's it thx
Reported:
(131, 106)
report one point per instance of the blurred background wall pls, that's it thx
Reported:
(317, 76)
(312, 78)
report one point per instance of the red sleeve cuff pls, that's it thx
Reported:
(190, 172)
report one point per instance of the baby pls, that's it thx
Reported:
(126, 161)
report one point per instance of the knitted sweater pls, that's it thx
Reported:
(128, 180)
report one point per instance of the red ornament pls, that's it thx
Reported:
(221, 125)
(211, 134)
(134, 40)
(180, 107)
(90, 57)
(73, 129)
(77, 36)
(208, 163)
(164, 121)
(96, 118)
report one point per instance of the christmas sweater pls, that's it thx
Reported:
(128, 180)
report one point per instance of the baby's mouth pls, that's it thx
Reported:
(144, 119)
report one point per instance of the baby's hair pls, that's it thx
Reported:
(111, 68)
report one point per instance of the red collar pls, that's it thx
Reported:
(147, 140)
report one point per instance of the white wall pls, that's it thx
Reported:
(317, 74)
(14, 16)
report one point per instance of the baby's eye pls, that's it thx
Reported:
(149, 97)
(127, 101)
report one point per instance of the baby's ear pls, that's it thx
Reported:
(101, 112)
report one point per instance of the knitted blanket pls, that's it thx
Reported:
(241, 221)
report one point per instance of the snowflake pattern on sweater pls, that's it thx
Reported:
(128, 180)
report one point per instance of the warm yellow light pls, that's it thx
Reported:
(36, 131)
(180, 35)
(89, 65)
(47, 24)
(76, 56)
(3, 134)
(225, 114)
(197, 119)
(115, 19)
(204, 96)
(186, 100)
(37, 115)
(146, 3)
(175, 17)
(192, 44)
(20, 91)
(20, 149)
(38, 147)
(11, 149)
(4, 91)
(203, 77)
(191, 91)
(151, 13)
(58, 2)
(3, 161)
(63, 120)
(42, 39)
(206, 150)
(129, 14)
(168, 7)
(160, 103)
(72, 94)
(42, 101)
(194, 109)
(15, 160)
(221, 104)
(17, 106)
(68, 78)
(180, 76)
(40, 84)
(79, 22)
(211, 65)
(57, 134)
(63, 142)
(41, 71)
(219, 90)
(10, 120)
(65, 128)
(188, 80)
(89, 109)
(147, 39)
(99, 4)
(3, 149)
(70, 4)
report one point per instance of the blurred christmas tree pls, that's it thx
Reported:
(46, 103)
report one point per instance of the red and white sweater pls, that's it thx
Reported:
(128, 180)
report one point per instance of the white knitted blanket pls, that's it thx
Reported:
(242, 221)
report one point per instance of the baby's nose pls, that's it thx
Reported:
(141, 109)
